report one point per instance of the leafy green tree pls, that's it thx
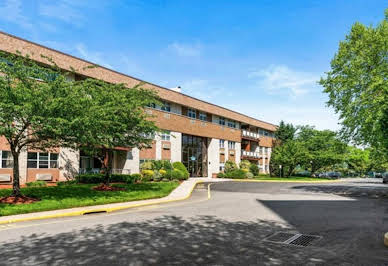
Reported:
(378, 160)
(357, 160)
(288, 155)
(115, 117)
(38, 107)
(285, 132)
(357, 84)
(325, 148)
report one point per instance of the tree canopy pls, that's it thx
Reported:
(357, 84)
(41, 108)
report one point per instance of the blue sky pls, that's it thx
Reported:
(262, 58)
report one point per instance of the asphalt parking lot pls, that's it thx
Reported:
(230, 228)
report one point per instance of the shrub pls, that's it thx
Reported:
(166, 165)
(66, 183)
(245, 164)
(120, 178)
(157, 165)
(177, 174)
(135, 178)
(245, 170)
(39, 183)
(162, 172)
(254, 169)
(157, 175)
(147, 165)
(147, 175)
(181, 167)
(90, 178)
(237, 173)
(249, 175)
(230, 166)
(220, 175)
(167, 174)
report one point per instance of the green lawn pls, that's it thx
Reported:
(69, 196)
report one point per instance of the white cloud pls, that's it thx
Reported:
(277, 79)
(202, 89)
(11, 11)
(94, 57)
(185, 50)
(65, 10)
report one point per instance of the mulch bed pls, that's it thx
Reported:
(104, 187)
(18, 200)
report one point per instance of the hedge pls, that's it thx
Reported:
(99, 178)
(181, 167)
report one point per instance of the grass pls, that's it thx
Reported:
(70, 196)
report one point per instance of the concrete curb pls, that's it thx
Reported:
(386, 239)
(102, 208)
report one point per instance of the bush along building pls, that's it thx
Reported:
(201, 135)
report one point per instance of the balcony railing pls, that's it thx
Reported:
(250, 154)
(98, 170)
(250, 134)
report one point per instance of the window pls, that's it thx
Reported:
(231, 123)
(222, 143)
(6, 160)
(202, 116)
(166, 136)
(42, 160)
(266, 133)
(222, 167)
(166, 107)
(152, 105)
(261, 132)
(191, 113)
(221, 121)
(231, 145)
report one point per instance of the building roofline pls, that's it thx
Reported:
(140, 80)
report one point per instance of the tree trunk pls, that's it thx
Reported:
(16, 176)
(108, 166)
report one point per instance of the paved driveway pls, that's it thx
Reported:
(228, 229)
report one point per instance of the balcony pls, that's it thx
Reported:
(98, 170)
(250, 155)
(245, 134)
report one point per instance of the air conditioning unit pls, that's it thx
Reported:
(231, 152)
(166, 146)
(44, 177)
(5, 178)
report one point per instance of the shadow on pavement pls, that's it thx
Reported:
(168, 240)
(349, 191)
(352, 229)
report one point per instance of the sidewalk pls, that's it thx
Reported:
(182, 192)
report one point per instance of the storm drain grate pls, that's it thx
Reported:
(293, 239)
(304, 240)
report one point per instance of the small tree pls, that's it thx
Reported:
(38, 107)
(116, 117)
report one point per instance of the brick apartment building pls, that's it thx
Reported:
(201, 135)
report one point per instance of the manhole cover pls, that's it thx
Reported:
(300, 240)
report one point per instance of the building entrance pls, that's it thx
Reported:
(194, 155)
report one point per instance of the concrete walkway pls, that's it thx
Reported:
(182, 192)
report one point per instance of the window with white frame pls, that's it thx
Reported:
(166, 135)
(222, 143)
(42, 160)
(202, 116)
(232, 123)
(6, 160)
(231, 145)
(166, 106)
(221, 121)
(191, 113)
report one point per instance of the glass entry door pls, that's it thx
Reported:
(194, 155)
